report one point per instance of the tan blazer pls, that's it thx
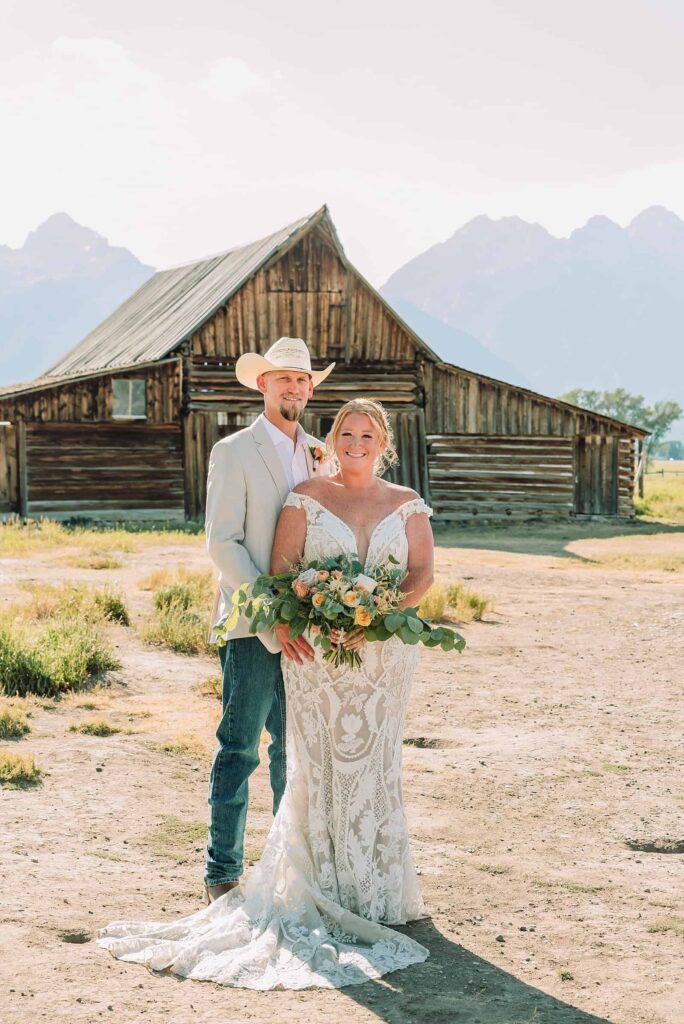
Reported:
(246, 489)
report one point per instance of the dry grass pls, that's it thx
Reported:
(616, 769)
(14, 717)
(182, 602)
(19, 538)
(663, 493)
(201, 584)
(492, 869)
(454, 601)
(667, 924)
(186, 744)
(95, 727)
(18, 770)
(95, 562)
(467, 605)
(212, 686)
(177, 839)
(567, 885)
(641, 562)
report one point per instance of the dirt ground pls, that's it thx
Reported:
(537, 763)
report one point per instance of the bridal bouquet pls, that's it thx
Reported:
(335, 594)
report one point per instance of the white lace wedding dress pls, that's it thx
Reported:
(336, 868)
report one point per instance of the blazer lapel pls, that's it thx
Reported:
(311, 465)
(268, 453)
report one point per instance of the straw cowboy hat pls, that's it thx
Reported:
(284, 354)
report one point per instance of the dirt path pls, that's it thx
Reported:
(530, 761)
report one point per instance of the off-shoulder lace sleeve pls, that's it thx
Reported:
(410, 507)
(296, 501)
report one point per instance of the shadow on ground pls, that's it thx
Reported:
(456, 987)
(544, 538)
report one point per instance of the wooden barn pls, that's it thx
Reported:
(123, 425)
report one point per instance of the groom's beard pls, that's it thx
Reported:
(290, 411)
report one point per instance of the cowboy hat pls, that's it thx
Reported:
(284, 354)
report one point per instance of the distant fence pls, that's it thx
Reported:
(665, 472)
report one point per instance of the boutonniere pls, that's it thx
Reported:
(317, 454)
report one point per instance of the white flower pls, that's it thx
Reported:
(366, 582)
(308, 577)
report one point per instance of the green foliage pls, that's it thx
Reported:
(669, 450)
(52, 659)
(621, 405)
(177, 595)
(113, 607)
(323, 603)
(182, 602)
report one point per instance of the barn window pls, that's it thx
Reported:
(129, 399)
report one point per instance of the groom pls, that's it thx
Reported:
(250, 475)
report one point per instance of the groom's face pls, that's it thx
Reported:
(286, 392)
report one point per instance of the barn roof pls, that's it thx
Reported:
(149, 325)
(169, 307)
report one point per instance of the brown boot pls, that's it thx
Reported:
(214, 892)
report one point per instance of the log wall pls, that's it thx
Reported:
(458, 402)
(493, 478)
(111, 470)
(627, 461)
(90, 400)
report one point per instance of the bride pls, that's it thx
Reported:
(336, 869)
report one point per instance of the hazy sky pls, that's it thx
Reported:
(179, 129)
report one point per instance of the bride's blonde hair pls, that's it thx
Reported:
(378, 417)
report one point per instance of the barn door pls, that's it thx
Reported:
(9, 499)
(596, 475)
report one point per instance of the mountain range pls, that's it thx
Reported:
(60, 284)
(603, 308)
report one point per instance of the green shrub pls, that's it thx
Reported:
(178, 595)
(52, 659)
(185, 632)
(113, 607)
(182, 602)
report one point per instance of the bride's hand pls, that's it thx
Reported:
(351, 640)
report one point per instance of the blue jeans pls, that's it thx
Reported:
(253, 697)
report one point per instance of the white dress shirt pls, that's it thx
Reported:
(292, 455)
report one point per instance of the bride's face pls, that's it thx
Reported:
(357, 444)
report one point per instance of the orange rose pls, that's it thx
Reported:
(322, 575)
(351, 598)
(300, 589)
(317, 600)
(362, 617)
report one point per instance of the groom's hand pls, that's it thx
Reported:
(298, 650)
